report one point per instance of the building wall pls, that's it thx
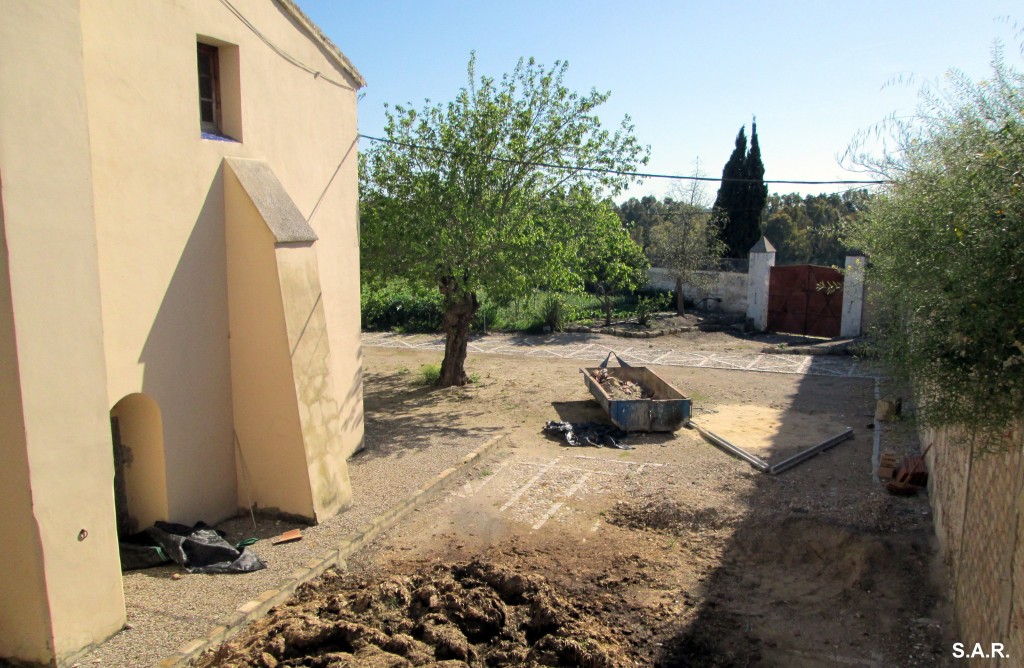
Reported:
(24, 615)
(113, 276)
(160, 213)
(313, 381)
(272, 469)
(978, 505)
(286, 410)
(60, 584)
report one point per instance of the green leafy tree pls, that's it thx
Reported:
(945, 240)
(809, 229)
(639, 216)
(686, 241)
(491, 192)
(742, 195)
(787, 229)
(730, 199)
(612, 262)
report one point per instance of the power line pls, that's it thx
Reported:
(599, 170)
(645, 175)
(317, 74)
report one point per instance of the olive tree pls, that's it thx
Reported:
(491, 191)
(687, 243)
(945, 239)
(686, 240)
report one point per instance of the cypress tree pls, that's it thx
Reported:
(757, 191)
(742, 196)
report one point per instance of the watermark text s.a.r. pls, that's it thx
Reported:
(995, 650)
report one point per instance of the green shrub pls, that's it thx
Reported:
(486, 318)
(648, 305)
(945, 238)
(552, 312)
(430, 374)
(396, 304)
(588, 307)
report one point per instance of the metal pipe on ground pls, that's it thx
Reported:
(801, 457)
(763, 466)
(755, 461)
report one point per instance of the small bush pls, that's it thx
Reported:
(552, 312)
(430, 374)
(646, 306)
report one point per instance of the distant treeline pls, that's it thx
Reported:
(803, 228)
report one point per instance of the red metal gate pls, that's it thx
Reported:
(805, 299)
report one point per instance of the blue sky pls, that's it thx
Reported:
(688, 73)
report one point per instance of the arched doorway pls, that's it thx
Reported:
(140, 479)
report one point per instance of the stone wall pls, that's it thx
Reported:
(730, 287)
(978, 505)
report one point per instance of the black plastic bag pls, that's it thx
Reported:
(140, 551)
(588, 434)
(201, 549)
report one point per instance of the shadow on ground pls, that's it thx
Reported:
(824, 568)
(413, 415)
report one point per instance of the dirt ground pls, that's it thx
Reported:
(670, 554)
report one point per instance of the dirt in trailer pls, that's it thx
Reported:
(671, 554)
(620, 389)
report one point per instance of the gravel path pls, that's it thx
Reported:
(666, 351)
(165, 613)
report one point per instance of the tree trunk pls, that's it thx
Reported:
(680, 301)
(460, 307)
(606, 300)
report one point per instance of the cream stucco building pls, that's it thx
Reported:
(179, 293)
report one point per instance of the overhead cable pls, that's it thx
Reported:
(645, 175)
(599, 170)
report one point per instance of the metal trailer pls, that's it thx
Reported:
(668, 410)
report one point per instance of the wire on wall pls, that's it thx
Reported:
(317, 74)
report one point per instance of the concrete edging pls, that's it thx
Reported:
(259, 606)
(630, 334)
